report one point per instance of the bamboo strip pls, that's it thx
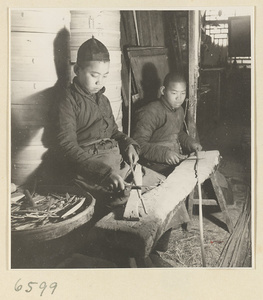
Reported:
(239, 242)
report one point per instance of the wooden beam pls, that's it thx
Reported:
(194, 58)
(221, 201)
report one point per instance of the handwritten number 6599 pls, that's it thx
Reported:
(42, 286)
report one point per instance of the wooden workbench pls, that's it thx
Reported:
(139, 238)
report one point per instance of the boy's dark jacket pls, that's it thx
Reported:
(159, 129)
(82, 118)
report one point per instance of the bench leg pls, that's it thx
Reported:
(221, 201)
(191, 204)
(162, 244)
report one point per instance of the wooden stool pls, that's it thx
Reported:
(220, 201)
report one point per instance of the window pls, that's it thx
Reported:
(216, 26)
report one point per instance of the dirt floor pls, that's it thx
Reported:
(232, 139)
(184, 247)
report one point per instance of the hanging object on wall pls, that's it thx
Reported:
(104, 26)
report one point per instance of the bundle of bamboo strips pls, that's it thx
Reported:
(34, 211)
(237, 251)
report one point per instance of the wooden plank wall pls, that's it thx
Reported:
(44, 44)
(39, 64)
(151, 33)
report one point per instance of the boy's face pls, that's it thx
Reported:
(93, 76)
(175, 94)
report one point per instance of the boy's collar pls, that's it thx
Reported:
(166, 104)
(85, 92)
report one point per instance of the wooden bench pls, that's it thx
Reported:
(139, 238)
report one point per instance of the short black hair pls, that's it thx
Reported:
(173, 77)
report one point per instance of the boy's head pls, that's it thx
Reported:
(174, 89)
(92, 67)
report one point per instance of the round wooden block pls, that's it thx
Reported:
(20, 171)
(27, 153)
(33, 68)
(115, 56)
(111, 39)
(28, 44)
(95, 19)
(25, 116)
(39, 20)
(31, 92)
(27, 136)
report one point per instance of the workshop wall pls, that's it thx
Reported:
(39, 65)
(149, 33)
(44, 44)
(167, 29)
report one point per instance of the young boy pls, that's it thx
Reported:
(88, 142)
(159, 128)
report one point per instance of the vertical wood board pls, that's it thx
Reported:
(149, 66)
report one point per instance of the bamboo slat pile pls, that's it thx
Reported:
(31, 212)
(237, 251)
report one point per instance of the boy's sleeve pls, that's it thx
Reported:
(123, 140)
(68, 145)
(146, 123)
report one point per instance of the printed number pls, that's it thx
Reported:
(42, 286)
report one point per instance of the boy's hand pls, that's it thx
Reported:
(174, 158)
(132, 155)
(115, 182)
(196, 147)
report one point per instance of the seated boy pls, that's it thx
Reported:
(88, 142)
(159, 128)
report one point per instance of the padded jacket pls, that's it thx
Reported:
(159, 129)
(81, 119)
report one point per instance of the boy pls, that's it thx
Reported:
(88, 142)
(159, 128)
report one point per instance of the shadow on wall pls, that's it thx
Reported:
(32, 122)
(150, 89)
(62, 64)
(150, 83)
